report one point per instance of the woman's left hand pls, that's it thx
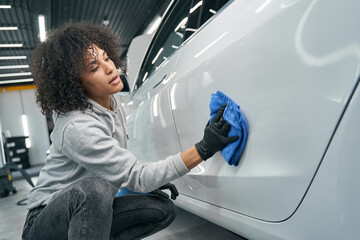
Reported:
(169, 186)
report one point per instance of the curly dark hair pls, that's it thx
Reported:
(56, 65)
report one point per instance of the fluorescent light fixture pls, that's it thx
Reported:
(5, 6)
(145, 76)
(212, 11)
(157, 55)
(17, 81)
(196, 6)
(14, 66)
(8, 28)
(25, 125)
(15, 74)
(181, 24)
(155, 25)
(190, 29)
(11, 45)
(42, 28)
(27, 143)
(12, 57)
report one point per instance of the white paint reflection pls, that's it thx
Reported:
(155, 105)
(172, 96)
(320, 61)
(286, 5)
(207, 79)
(198, 170)
(263, 6)
(210, 45)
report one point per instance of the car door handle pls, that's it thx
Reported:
(160, 81)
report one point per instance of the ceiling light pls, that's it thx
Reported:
(157, 55)
(106, 21)
(11, 45)
(212, 11)
(8, 28)
(5, 6)
(17, 81)
(181, 24)
(14, 66)
(42, 28)
(12, 57)
(196, 6)
(25, 125)
(15, 74)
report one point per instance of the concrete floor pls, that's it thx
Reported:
(185, 226)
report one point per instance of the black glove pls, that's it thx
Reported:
(171, 187)
(215, 136)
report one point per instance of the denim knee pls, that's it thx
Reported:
(168, 208)
(97, 192)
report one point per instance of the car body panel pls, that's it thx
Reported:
(330, 208)
(149, 119)
(292, 104)
(292, 66)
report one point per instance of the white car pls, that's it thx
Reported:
(293, 67)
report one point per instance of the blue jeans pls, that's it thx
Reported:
(88, 210)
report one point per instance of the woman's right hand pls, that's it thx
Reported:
(215, 136)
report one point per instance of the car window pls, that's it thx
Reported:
(200, 12)
(166, 41)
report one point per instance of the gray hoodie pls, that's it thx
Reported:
(94, 144)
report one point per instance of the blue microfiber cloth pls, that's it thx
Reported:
(239, 127)
(125, 191)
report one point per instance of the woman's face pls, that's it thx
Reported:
(100, 78)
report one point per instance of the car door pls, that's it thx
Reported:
(292, 78)
(151, 130)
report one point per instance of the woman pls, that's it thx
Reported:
(75, 71)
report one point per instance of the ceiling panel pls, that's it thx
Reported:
(127, 19)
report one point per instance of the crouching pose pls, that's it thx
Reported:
(75, 71)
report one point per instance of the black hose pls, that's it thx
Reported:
(13, 166)
(22, 202)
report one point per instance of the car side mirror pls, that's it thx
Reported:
(135, 57)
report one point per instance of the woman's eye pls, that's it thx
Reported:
(107, 59)
(94, 69)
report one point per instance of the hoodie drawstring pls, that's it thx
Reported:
(112, 121)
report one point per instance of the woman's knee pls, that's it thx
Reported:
(94, 190)
(168, 208)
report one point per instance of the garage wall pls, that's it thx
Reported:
(12, 105)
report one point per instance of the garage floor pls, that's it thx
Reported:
(185, 226)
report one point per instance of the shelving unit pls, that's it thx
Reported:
(16, 151)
